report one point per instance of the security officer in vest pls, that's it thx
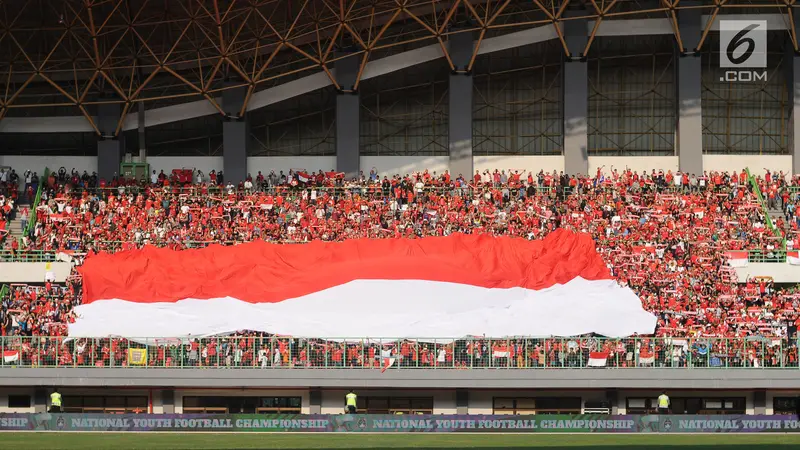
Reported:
(350, 400)
(55, 402)
(663, 403)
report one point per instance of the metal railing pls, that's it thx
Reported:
(27, 256)
(364, 189)
(274, 352)
(765, 256)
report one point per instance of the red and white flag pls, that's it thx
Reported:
(303, 177)
(10, 356)
(737, 258)
(646, 357)
(335, 175)
(793, 258)
(465, 284)
(598, 359)
(387, 362)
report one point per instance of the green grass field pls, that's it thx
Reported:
(120, 441)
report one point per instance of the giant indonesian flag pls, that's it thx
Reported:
(434, 288)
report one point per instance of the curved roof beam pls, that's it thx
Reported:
(376, 68)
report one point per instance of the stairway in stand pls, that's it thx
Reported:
(14, 227)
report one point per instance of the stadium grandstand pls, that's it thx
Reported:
(253, 207)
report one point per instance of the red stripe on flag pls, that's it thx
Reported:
(387, 362)
(259, 272)
(598, 359)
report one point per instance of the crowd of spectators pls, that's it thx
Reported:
(664, 234)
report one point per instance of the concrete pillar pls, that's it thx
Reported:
(576, 99)
(690, 111)
(110, 149)
(612, 397)
(315, 401)
(460, 47)
(142, 134)
(168, 401)
(40, 397)
(760, 401)
(791, 64)
(235, 134)
(348, 116)
(462, 401)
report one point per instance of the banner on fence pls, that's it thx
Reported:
(137, 356)
(388, 423)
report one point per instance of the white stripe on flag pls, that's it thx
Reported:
(451, 310)
(793, 258)
(598, 359)
(736, 258)
(387, 362)
(651, 359)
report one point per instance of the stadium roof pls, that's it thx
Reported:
(64, 57)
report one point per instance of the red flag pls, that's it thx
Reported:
(556, 286)
(598, 359)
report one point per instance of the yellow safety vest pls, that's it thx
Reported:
(663, 401)
(55, 399)
(351, 399)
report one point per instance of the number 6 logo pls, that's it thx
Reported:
(743, 44)
(738, 40)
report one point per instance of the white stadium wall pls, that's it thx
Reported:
(286, 163)
(756, 163)
(11, 272)
(203, 163)
(265, 164)
(523, 164)
(390, 165)
(636, 163)
(38, 163)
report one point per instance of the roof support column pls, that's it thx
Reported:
(460, 48)
(576, 98)
(110, 148)
(235, 134)
(690, 111)
(348, 117)
(142, 134)
(791, 63)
